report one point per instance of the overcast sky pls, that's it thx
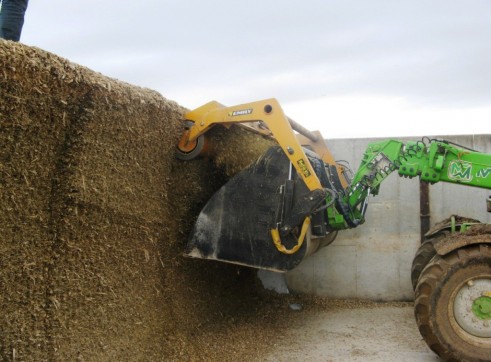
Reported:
(348, 68)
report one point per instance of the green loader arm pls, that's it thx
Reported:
(432, 160)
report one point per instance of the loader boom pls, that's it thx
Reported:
(431, 160)
(268, 119)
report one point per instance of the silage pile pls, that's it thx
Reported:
(94, 215)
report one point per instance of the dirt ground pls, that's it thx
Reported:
(384, 332)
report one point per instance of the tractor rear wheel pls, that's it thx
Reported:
(453, 304)
(423, 255)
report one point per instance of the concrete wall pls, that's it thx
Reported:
(374, 260)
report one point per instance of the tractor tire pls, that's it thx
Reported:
(423, 255)
(453, 304)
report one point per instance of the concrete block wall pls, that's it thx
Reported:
(374, 260)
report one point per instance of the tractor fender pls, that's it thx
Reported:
(460, 232)
(457, 241)
(451, 224)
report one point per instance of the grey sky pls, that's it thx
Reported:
(429, 54)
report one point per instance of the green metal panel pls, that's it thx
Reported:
(434, 161)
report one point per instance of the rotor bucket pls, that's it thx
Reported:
(235, 225)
